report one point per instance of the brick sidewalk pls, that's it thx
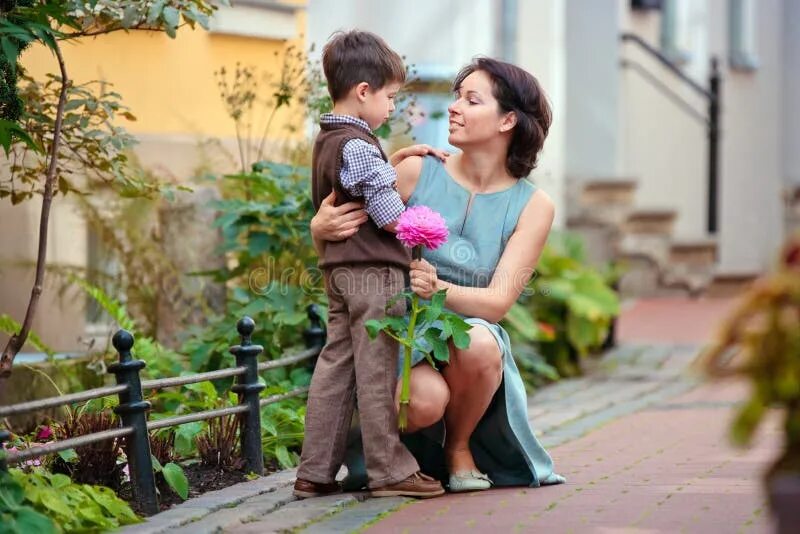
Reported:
(664, 469)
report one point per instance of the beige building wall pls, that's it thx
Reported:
(170, 87)
(666, 149)
(661, 146)
(751, 217)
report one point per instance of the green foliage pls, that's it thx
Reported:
(9, 326)
(72, 507)
(434, 328)
(760, 341)
(17, 516)
(161, 361)
(565, 313)
(174, 476)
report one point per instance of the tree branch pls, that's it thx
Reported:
(17, 341)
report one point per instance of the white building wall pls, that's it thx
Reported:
(791, 92)
(751, 216)
(438, 37)
(592, 88)
(662, 146)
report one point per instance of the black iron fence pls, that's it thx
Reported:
(132, 408)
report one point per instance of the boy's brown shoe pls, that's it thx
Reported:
(305, 489)
(417, 485)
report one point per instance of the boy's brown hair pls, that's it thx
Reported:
(350, 58)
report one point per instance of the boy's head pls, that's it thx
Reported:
(363, 72)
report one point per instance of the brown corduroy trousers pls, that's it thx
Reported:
(354, 368)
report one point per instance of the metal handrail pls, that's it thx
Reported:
(288, 360)
(281, 396)
(55, 402)
(713, 97)
(665, 61)
(199, 416)
(62, 445)
(162, 383)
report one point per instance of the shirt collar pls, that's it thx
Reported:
(330, 118)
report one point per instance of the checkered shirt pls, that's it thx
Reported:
(366, 175)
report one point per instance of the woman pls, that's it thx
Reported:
(498, 224)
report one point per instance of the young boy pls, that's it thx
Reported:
(361, 275)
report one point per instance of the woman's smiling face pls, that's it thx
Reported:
(475, 115)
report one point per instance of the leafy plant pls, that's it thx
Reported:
(571, 302)
(17, 516)
(760, 341)
(71, 507)
(161, 361)
(282, 429)
(174, 477)
(96, 463)
(218, 445)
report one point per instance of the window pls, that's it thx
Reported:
(742, 34)
(262, 19)
(675, 22)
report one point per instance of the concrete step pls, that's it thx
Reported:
(609, 191)
(700, 252)
(730, 284)
(604, 201)
(651, 221)
(644, 277)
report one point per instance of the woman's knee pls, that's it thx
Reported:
(482, 360)
(426, 408)
(429, 398)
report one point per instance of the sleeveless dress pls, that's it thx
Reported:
(503, 444)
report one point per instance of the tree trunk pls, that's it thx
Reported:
(17, 341)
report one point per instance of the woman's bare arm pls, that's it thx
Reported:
(514, 270)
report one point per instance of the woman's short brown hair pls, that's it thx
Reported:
(350, 58)
(516, 90)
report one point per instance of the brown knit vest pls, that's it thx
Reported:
(370, 244)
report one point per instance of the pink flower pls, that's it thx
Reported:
(420, 225)
(45, 433)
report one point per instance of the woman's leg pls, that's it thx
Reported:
(473, 376)
(429, 397)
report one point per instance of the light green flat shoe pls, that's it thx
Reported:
(469, 481)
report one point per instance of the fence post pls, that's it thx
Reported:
(5, 435)
(132, 409)
(314, 335)
(248, 388)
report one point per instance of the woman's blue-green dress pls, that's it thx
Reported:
(503, 444)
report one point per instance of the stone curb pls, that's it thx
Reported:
(204, 505)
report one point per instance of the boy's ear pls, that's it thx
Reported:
(508, 122)
(361, 91)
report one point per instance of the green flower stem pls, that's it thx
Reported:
(405, 386)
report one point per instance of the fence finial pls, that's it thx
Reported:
(123, 342)
(246, 326)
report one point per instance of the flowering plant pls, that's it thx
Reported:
(428, 327)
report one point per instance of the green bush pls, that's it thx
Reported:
(565, 314)
(43, 502)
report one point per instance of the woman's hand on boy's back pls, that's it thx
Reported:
(417, 150)
(336, 223)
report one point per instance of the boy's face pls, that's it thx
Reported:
(377, 105)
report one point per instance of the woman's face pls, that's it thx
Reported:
(475, 115)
